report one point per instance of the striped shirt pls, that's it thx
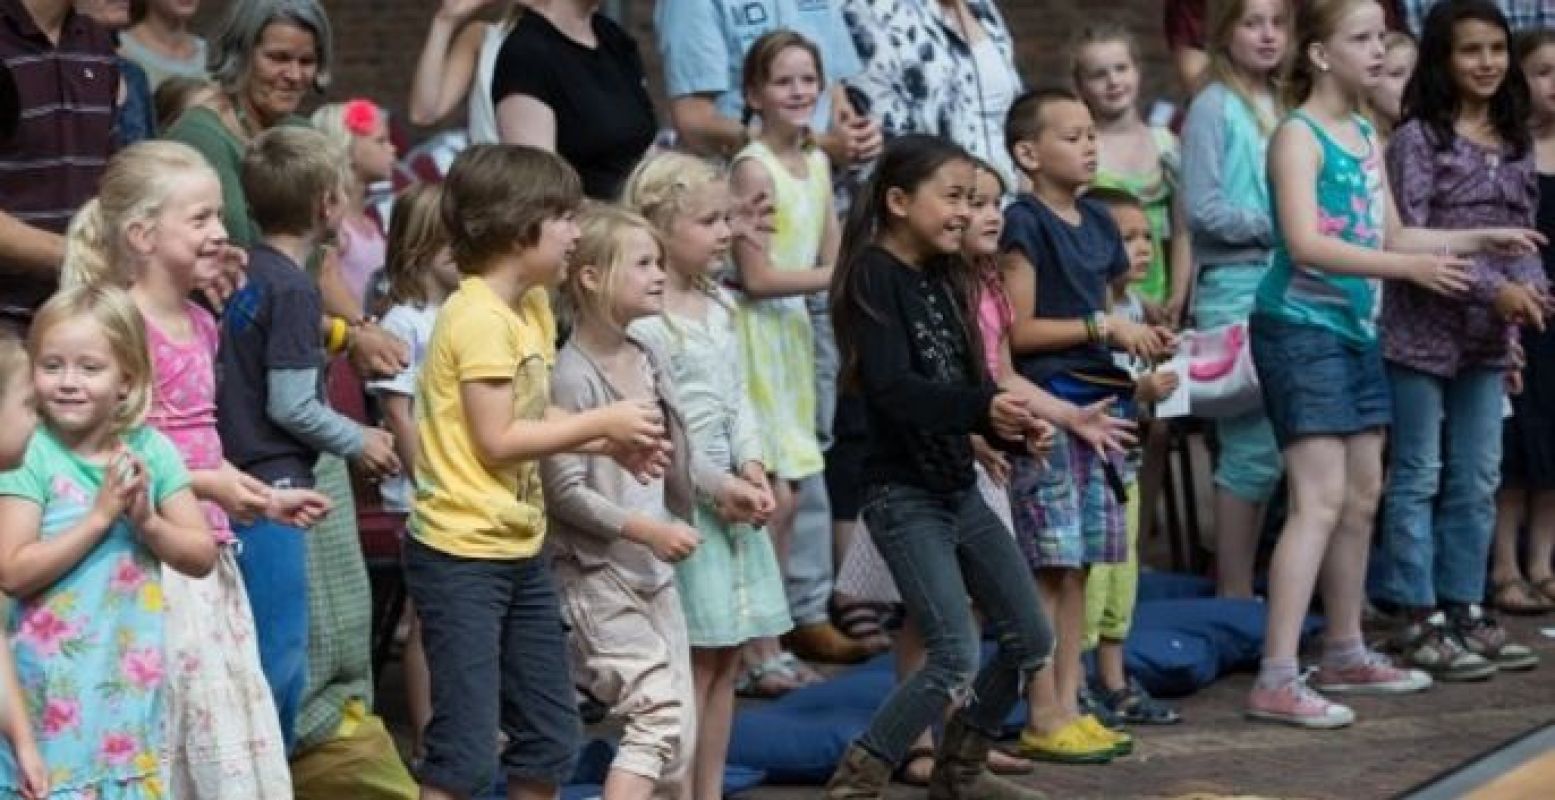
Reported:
(1522, 15)
(51, 167)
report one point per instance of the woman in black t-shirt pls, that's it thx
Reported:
(570, 80)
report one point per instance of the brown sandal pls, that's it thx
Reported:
(1546, 588)
(1520, 598)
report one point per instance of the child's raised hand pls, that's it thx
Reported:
(993, 462)
(1520, 305)
(119, 484)
(1444, 274)
(1040, 440)
(1158, 386)
(737, 500)
(1096, 426)
(646, 464)
(241, 495)
(673, 541)
(754, 218)
(755, 474)
(1009, 416)
(633, 424)
(298, 508)
(378, 458)
(1510, 241)
(1143, 342)
(138, 506)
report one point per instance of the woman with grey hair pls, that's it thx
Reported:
(267, 57)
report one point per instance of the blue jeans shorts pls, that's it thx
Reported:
(1317, 384)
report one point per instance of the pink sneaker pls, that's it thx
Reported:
(1296, 704)
(1375, 675)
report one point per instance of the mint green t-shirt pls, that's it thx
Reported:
(89, 647)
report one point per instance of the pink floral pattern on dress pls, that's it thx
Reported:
(183, 400)
(89, 648)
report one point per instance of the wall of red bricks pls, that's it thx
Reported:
(377, 41)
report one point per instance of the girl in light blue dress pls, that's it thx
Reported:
(731, 588)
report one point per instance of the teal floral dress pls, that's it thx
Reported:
(89, 648)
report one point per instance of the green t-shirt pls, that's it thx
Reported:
(66, 484)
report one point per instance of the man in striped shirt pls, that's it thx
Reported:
(67, 83)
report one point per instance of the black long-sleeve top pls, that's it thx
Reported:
(917, 375)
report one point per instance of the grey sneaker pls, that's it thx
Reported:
(1484, 637)
(1431, 645)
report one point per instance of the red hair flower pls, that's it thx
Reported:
(360, 117)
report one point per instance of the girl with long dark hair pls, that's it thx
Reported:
(1462, 159)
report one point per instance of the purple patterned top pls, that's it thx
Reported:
(1465, 186)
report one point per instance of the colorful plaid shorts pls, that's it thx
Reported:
(1065, 512)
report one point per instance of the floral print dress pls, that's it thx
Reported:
(223, 733)
(89, 648)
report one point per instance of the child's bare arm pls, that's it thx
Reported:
(400, 420)
(759, 277)
(176, 532)
(500, 438)
(28, 563)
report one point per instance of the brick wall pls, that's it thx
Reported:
(377, 41)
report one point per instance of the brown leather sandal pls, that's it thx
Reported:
(1520, 598)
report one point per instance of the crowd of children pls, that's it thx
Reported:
(598, 447)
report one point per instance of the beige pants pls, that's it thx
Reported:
(630, 651)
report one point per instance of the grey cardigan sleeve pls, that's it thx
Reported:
(1211, 214)
(572, 490)
(294, 404)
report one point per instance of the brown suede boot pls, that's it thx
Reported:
(860, 776)
(822, 642)
(961, 769)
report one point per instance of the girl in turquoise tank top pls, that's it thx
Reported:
(1314, 342)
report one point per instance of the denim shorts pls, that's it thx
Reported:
(1317, 384)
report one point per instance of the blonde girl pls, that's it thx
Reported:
(99, 500)
(687, 200)
(18, 418)
(1135, 157)
(421, 273)
(1315, 344)
(156, 227)
(360, 129)
(783, 81)
(1226, 197)
(616, 537)
(457, 60)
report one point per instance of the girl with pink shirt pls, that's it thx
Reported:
(161, 234)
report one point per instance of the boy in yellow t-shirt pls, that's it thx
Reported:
(489, 613)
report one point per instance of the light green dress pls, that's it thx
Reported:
(1155, 190)
(776, 339)
(731, 588)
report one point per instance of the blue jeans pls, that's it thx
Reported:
(497, 653)
(809, 571)
(274, 561)
(1439, 507)
(943, 549)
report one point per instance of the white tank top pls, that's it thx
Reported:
(483, 113)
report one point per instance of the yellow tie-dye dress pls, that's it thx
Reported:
(776, 339)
